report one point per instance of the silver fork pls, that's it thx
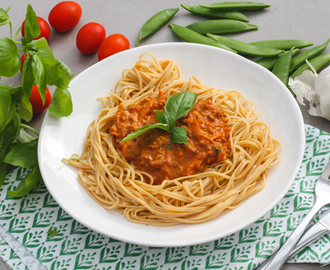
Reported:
(322, 193)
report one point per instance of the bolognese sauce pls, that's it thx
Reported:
(153, 152)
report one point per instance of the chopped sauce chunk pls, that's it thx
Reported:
(154, 153)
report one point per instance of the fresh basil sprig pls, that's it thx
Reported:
(177, 106)
(40, 68)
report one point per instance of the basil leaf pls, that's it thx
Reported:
(24, 155)
(4, 18)
(5, 106)
(48, 60)
(179, 104)
(39, 74)
(64, 75)
(164, 118)
(27, 184)
(52, 232)
(61, 104)
(16, 93)
(25, 111)
(25, 136)
(31, 28)
(10, 62)
(3, 165)
(179, 135)
(27, 75)
(10, 132)
(143, 129)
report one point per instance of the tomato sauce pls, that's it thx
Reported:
(154, 153)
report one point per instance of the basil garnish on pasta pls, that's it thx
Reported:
(177, 106)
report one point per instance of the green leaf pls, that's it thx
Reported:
(27, 75)
(16, 93)
(144, 129)
(3, 165)
(5, 106)
(25, 136)
(64, 75)
(26, 111)
(179, 135)
(61, 104)
(179, 104)
(10, 62)
(10, 132)
(4, 18)
(164, 118)
(27, 184)
(47, 58)
(39, 74)
(52, 232)
(24, 155)
(32, 28)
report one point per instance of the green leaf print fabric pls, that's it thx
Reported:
(28, 219)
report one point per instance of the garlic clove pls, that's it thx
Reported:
(322, 89)
(303, 86)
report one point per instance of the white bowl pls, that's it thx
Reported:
(213, 67)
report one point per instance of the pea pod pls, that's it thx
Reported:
(240, 5)
(269, 62)
(155, 22)
(245, 48)
(308, 54)
(193, 37)
(282, 67)
(221, 27)
(317, 62)
(283, 44)
(215, 14)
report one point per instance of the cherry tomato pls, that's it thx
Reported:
(65, 16)
(23, 57)
(44, 28)
(90, 37)
(36, 100)
(113, 44)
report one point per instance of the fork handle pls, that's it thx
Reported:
(284, 252)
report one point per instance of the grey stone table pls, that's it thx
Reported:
(294, 19)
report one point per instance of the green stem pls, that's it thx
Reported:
(18, 30)
(11, 30)
(30, 128)
(8, 8)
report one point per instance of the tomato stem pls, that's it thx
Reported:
(30, 128)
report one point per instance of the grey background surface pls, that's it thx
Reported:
(285, 19)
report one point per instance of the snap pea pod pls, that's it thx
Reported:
(193, 37)
(269, 62)
(308, 54)
(155, 22)
(282, 67)
(245, 48)
(283, 44)
(221, 26)
(215, 14)
(240, 5)
(317, 62)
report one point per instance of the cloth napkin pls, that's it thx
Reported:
(25, 243)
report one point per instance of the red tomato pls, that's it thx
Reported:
(36, 100)
(113, 44)
(65, 16)
(90, 37)
(23, 57)
(44, 28)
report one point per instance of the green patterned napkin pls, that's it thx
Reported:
(25, 222)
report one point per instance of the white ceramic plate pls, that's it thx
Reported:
(213, 67)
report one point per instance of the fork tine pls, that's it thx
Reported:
(326, 173)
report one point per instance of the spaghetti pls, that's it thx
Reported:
(116, 184)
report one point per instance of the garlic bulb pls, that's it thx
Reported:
(315, 88)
